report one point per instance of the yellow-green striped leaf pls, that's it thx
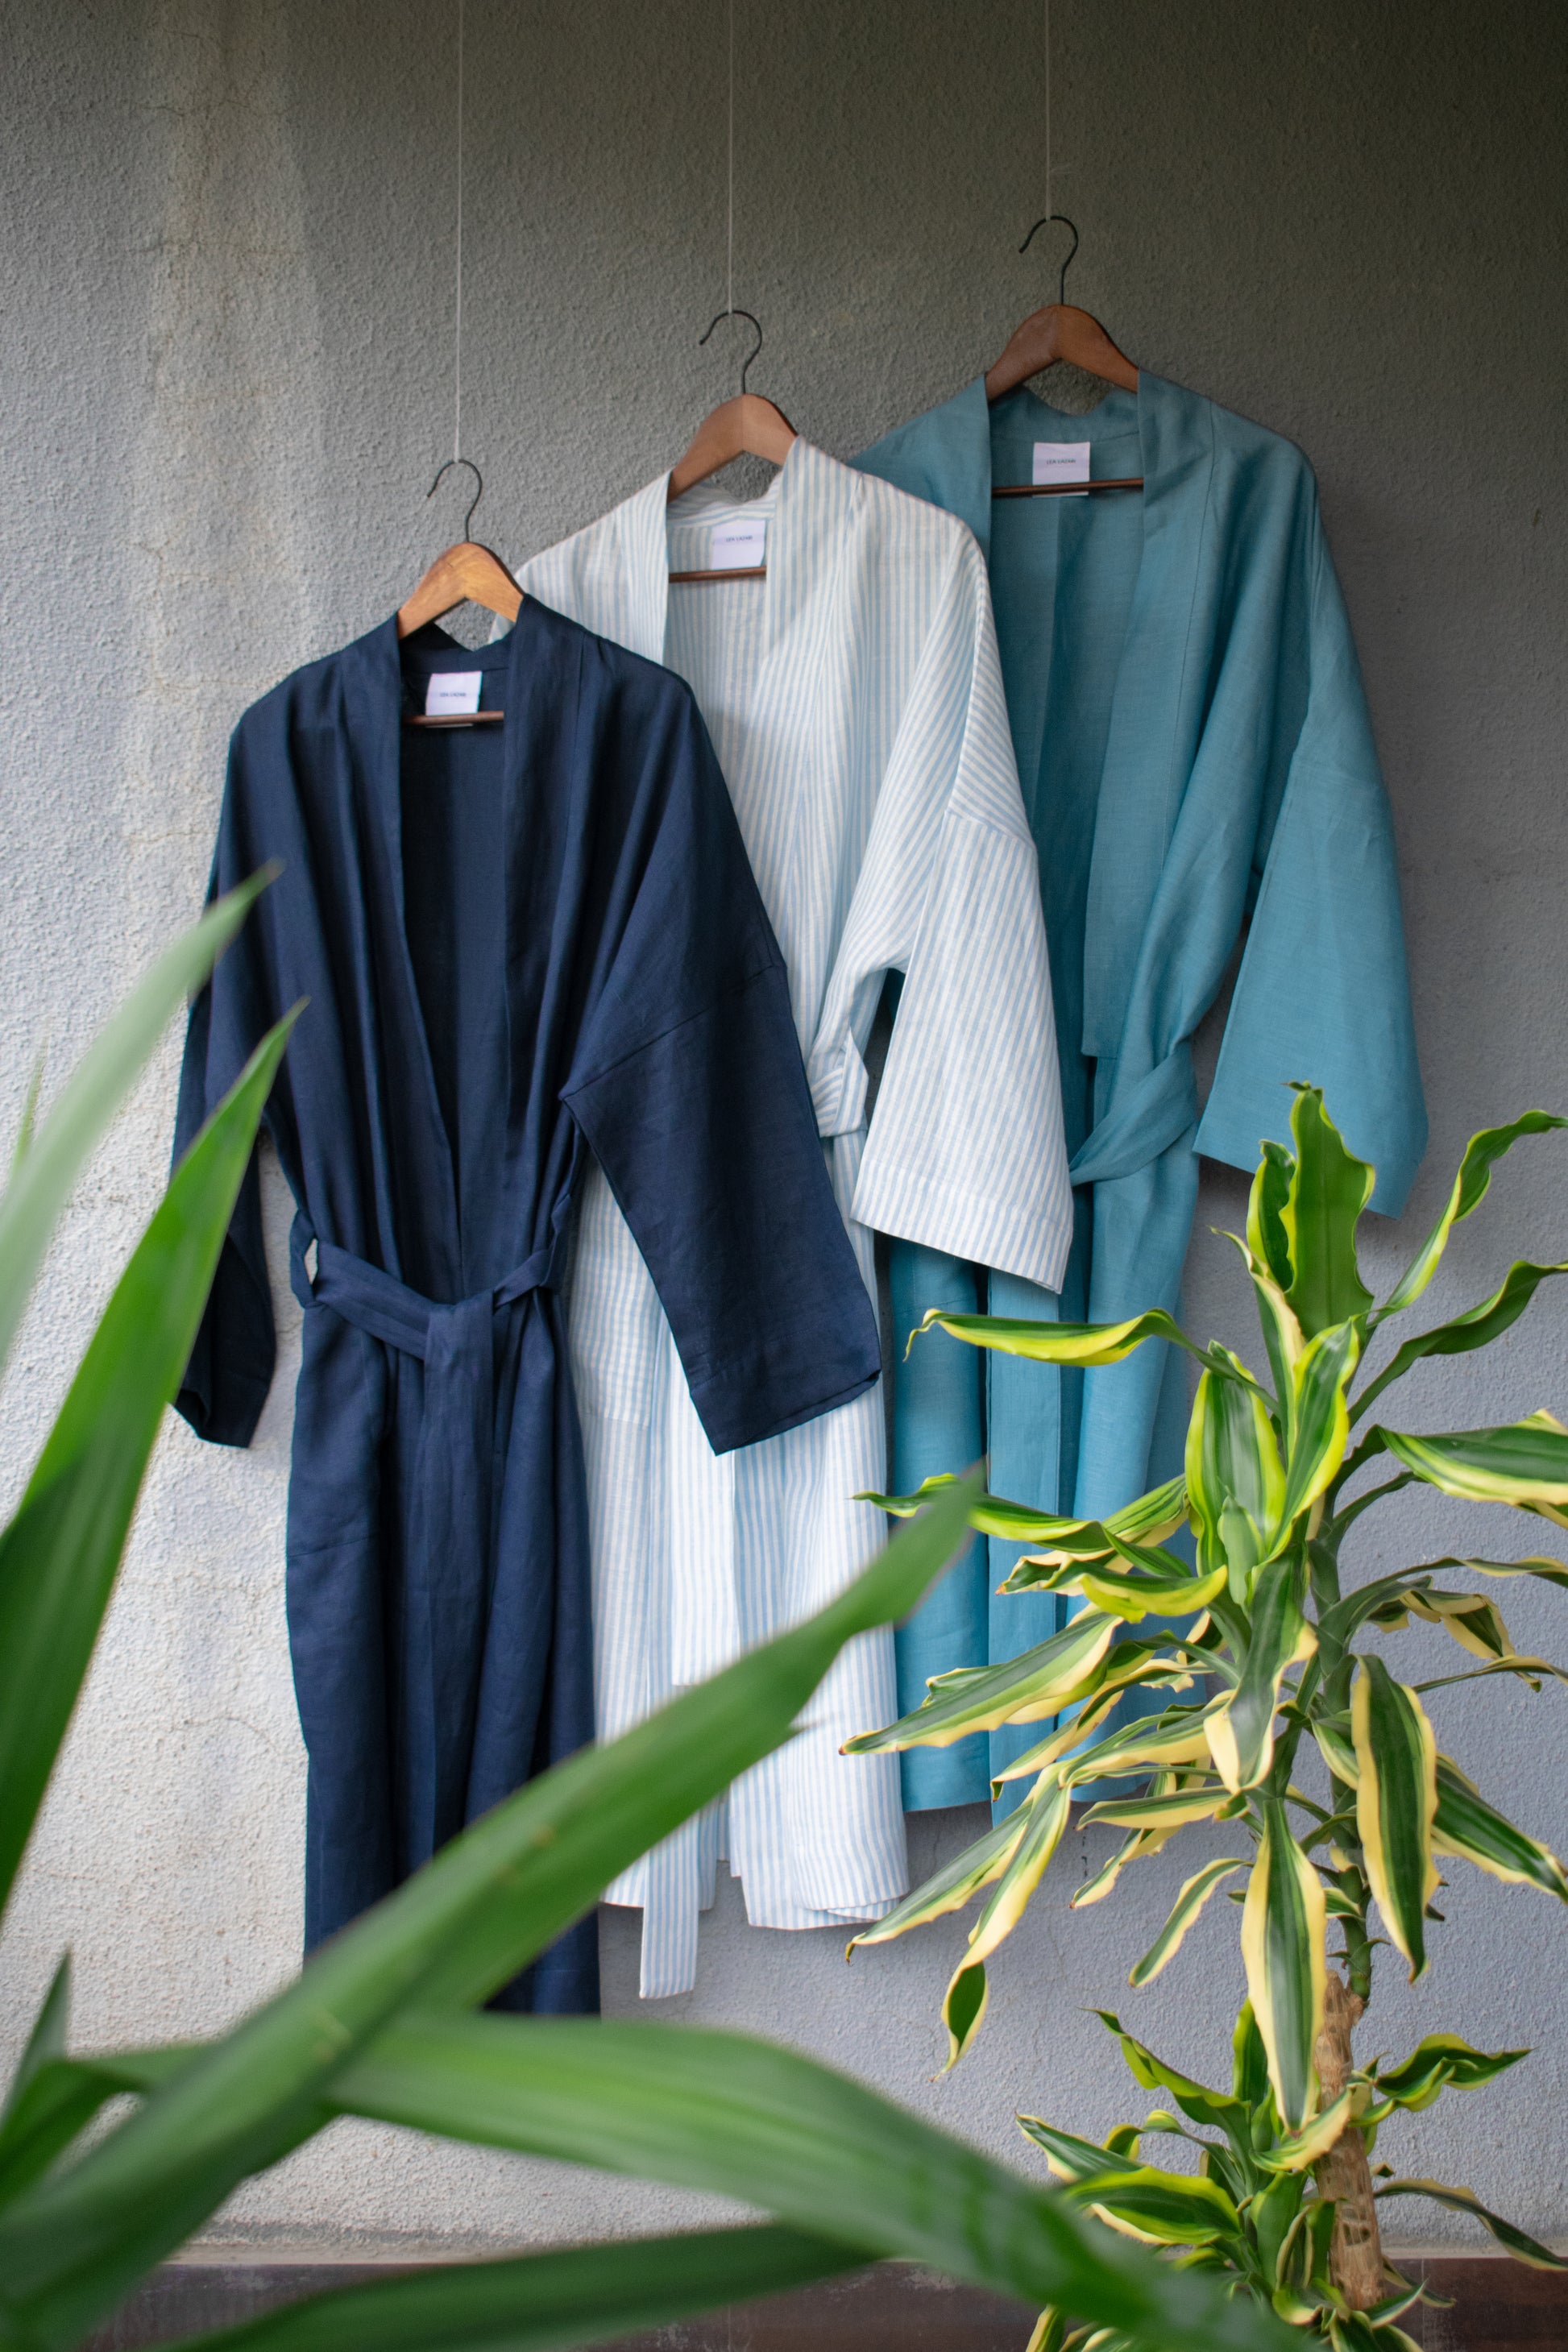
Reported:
(1470, 1185)
(1241, 1731)
(951, 1887)
(1396, 1802)
(1069, 2157)
(1195, 1893)
(1476, 1328)
(1319, 1417)
(991, 1514)
(1549, 1571)
(1442, 2060)
(1474, 1621)
(1148, 1520)
(1236, 1480)
(1132, 1666)
(1528, 1670)
(1300, 2149)
(1172, 1812)
(1216, 2110)
(1472, 1831)
(1282, 1930)
(1156, 1584)
(1163, 2209)
(1525, 1463)
(1086, 1344)
(1046, 1817)
(1328, 1190)
(1523, 2249)
(963, 2007)
(1178, 1737)
(1265, 1235)
(1039, 1683)
(1336, 1745)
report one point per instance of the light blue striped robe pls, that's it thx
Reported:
(854, 700)
(1194, 750)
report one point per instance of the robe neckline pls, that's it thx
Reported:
(1137, 804)
(372, 686)
(808, 479)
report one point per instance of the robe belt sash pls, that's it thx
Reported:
(1148, 1116)
(446, 1595)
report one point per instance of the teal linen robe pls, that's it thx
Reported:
(1196, 757)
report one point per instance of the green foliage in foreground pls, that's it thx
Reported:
(1248, 1665)
(386, 2021)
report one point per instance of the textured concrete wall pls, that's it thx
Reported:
(226, 373)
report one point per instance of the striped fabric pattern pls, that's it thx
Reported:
(855, 702)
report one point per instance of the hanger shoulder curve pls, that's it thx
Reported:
(747, 426)
(467, 573)
(1059, 331)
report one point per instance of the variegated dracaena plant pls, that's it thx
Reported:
(1247, 1660)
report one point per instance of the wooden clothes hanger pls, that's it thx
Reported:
(467, 573)
(747, 426)
(1057, 332)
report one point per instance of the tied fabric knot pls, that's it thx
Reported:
(1149, 1115)
(447, 1562)
(836, 1076)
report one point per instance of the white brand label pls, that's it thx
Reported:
(739, 546)
(453, 693)
(1062, 461)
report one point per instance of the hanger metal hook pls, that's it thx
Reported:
(1044, 221)
(479, 489)
(756, 347)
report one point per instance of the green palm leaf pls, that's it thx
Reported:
(50, 1156)
(59, 1555)
(536, 2303)
(74, 2243)
(722, 2112)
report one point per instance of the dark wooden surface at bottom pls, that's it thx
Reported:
(1499, 2307)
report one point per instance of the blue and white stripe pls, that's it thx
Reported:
(855, 702)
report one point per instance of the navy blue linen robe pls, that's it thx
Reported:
(520, 943)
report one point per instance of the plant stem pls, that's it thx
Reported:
(1355, 2251)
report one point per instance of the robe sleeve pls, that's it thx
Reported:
(1322, 993)
(966, 1152)
(230, 1369)
(689, 1089)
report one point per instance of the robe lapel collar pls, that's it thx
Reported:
(639, 525)
(1142, 786)
(372, 676)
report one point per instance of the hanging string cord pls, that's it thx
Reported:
(1048, 109)
(458, 317)
(730, 218)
